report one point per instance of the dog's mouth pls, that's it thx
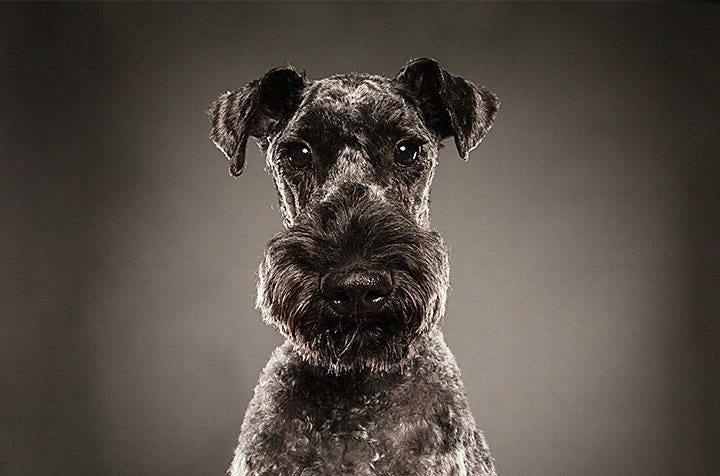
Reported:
(381, 313)
(340, 326)
(349, 336)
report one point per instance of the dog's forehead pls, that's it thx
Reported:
(352, 90)
(352, 104)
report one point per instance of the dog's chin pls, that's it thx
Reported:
(377, 341)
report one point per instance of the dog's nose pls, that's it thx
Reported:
(356, 291)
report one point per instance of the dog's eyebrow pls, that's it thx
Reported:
(295, 135)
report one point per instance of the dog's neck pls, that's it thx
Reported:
(419, 352)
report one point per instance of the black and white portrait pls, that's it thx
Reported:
(360, 238)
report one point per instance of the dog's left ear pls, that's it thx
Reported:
(256, 110)
(450, 105)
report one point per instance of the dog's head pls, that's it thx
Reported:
(357, 277)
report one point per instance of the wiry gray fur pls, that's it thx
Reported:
(374, 393)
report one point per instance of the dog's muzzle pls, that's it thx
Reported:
(355, 281)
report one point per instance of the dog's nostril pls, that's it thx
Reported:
(374, 296)
(354, 291)
(340, 297)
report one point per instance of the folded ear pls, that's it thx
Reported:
(450, 105)
(257, 110)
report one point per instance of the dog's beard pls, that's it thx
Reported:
(289, 294)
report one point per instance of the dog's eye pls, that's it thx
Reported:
(299, 155)
(406, 152)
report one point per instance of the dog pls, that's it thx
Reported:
(357, 280)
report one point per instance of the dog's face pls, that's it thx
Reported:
(357, 277)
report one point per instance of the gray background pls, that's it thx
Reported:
(584, 230)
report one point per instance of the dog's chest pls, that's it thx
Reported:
(396, 431)
(353, 437)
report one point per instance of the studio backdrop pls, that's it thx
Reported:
(583, 232)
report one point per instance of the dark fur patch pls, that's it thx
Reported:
(372, 392)
(352, 229)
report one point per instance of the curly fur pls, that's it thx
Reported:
(413, 420)
(374, 392)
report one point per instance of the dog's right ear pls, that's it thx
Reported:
(256, 110)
